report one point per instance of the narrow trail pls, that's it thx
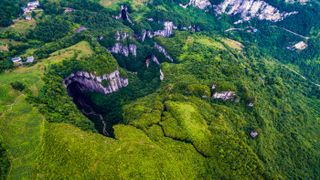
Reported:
(13, 104)
(291, 32)
(303, 77)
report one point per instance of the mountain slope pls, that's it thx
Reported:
(195, 96)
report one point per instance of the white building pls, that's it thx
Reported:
(28, 18)
(30, 59)
(33, 4)
(300, 45)
(16, 59)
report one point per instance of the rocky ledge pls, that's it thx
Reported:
(163, 51)
(201, 4)
(125, 50)
(88, 82)
(249, 9)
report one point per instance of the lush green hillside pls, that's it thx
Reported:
(172, 128)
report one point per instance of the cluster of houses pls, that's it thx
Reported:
(17, 61)
(31, 6)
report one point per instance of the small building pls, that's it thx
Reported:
(16, 59)
(300, 46)
(30, 59)
(33, 4)
(28, 18)
(26, 10)
(68, 10)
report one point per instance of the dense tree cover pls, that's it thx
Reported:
(51, 28)
(4, 162)
(10, 9)
(18, 86)
(267, 86)
(181, 111)
(174, 129)
(5, 64)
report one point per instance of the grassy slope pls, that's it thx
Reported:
(21, 124)
(133, 155)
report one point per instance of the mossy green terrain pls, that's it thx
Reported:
(161, 129)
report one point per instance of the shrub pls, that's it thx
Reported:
(19, 86)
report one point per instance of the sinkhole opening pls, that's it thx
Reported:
(88, 108)
(81, 85)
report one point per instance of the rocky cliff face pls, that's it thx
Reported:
(161, 75)
(163, 51)
(89, 82)
(146, 34)
(248, 9)
(224, 95)
(125, 50)
(201, 4)
(167, 31)
(122, 49)
(121, 36)
(124, 15)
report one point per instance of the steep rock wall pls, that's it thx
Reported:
(248, 9)
(89, 82)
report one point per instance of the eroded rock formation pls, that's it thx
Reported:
(167, 31)
(248, 9)
(120, 36)
(163, 51)
(89, 82)
(145, 34)
(124, 15)
(224, 95)
(201, 4)
(125, 50)
(161, 75)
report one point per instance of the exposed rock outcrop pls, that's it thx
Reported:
(120, 36)
(89, 82)
(133, 49)
(161, 75)
(125, 50)
(155, 60)
(248, 9)
(163, 51)
(124, 15)
(224, 95)
(167, 31)
(152, 58)
(201, 4)
(146, 34)
(120, 48)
